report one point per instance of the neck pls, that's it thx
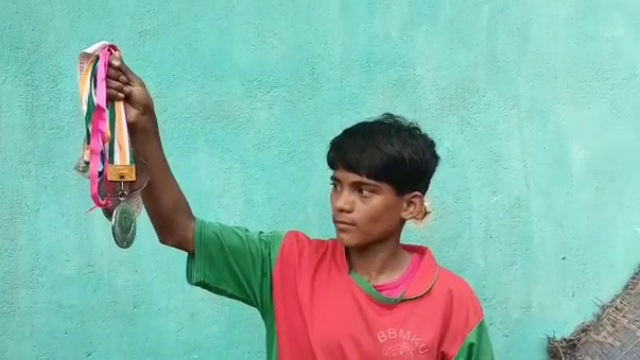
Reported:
(380, 262)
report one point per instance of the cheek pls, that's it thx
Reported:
(381, 215)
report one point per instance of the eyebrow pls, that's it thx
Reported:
(357, 182)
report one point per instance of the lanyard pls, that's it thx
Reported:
(107, 157)
(107, 147)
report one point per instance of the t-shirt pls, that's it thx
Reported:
(314, 308)
(396, 287)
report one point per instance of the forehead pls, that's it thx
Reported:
(348, 178)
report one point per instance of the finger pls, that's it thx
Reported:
(114, 95)
(115, 85)
(118, 64)
(115, 74)
(126, 90)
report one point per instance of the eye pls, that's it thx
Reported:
(334, 185)
(365, 193)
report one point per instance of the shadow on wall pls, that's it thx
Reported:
(613, 335)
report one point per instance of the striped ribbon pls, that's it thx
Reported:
(107, 148)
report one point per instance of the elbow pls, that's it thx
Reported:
(179, 234)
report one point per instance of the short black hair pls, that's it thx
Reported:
(388, 149)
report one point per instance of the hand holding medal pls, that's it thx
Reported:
(114, 101)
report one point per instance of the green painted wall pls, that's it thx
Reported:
(535, 105)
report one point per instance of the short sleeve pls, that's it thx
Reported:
(477, 345)
(234, 262)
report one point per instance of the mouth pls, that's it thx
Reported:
(343, 223)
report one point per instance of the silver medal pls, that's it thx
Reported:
(123, 221)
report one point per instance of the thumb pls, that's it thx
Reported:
(119, 64)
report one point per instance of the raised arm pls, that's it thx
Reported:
(166, 205)
(230, 261)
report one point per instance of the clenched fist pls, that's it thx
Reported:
(123, 84)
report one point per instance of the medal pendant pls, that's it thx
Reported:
(123, 225)
(123, 221)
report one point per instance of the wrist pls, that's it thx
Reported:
(145, 140)
(144, 125)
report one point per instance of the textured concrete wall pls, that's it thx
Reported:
(535, 105)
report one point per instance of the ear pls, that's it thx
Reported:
(425, 216)
(414, 207)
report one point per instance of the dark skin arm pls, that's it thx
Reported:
(166, 205)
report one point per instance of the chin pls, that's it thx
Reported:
(348, 241)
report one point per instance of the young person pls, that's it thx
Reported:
(360, 296)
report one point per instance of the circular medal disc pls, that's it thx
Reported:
(123, 225)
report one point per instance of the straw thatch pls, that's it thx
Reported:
(614, 334)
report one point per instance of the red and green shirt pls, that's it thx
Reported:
(314, 308)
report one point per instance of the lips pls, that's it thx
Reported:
(343, 223)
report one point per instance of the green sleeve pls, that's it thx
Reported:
(234, 262)
(477, 346)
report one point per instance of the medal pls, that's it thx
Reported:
(123, 221)
(130, 191)
(124, 206)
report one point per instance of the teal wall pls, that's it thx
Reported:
(535, 106)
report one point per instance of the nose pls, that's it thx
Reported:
(342, 202)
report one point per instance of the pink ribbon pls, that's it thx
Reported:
(98, 141)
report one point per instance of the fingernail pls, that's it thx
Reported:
(115, 62)
(123, 79)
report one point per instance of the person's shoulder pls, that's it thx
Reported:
(462, 297)
(302, 239)
(302, 244)
(300, 253)
(461, 310)
(454, 282)
(461, 294)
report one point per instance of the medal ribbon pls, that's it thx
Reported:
(107, 144)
